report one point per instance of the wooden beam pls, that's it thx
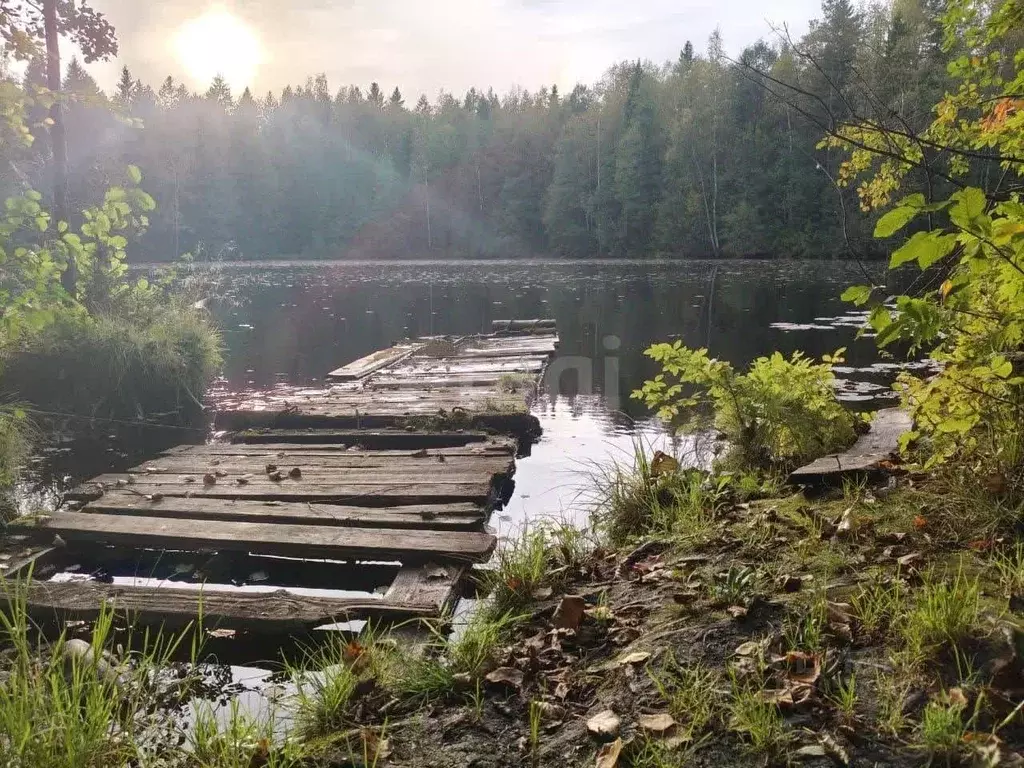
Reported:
(424, 516)
(385, 439)
(362, 493)
(276, 611)
(879, 444)
(306, 541)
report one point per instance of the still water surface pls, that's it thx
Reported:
(290, 323)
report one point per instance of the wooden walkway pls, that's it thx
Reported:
(397, 463)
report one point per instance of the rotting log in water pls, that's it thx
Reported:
(880, 443)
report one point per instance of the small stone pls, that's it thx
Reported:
(209, 479)
(295, 473)
(271, 468)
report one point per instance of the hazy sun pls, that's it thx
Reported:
(219, 43)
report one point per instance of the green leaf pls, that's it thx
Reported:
(926, 248)
(894, 221)
(134, 174)
(858, 294)
(968, 205)
(909, 251)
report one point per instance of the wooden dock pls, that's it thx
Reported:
(392, 474)
(474, 382)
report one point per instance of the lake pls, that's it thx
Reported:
(287, 323)
(290, 323)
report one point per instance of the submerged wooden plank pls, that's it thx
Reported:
(267, 611)
(880, 443)
(306, 541)
(463, 516)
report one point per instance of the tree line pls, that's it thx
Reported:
(706, 156)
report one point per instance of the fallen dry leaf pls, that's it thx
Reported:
(736, 611)
(636, 657)
(749, 648)
(604, 725)
(658, 723)
(222, 633)
(847, 524)
(569, 612)
(920, 522)
(663, 464)
(608, 755)
(803, 667)
(509, 676)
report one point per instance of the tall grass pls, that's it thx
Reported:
(77, 710)
(141, 362)
(16, 434)
(636, 498)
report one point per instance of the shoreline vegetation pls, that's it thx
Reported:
(716, 618)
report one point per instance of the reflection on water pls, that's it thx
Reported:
(290, 323)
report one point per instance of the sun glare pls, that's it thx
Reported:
(219, 43)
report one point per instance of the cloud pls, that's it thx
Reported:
(423, 46)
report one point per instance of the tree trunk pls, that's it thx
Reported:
(57, 137)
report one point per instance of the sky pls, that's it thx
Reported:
(422, 46)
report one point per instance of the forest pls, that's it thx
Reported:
(706, 156)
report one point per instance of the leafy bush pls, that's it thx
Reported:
(780, 413)
(970, 318)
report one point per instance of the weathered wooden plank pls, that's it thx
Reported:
(523, 325)
(309, 450)
(374, 440)
(308, 541)
(513, 418)
(340, 467)
(316, 481)
(880, 443)
(424, 516)
(429, 584)
(270, 611)
(381, 494)
(382, 358)
(478, 364)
